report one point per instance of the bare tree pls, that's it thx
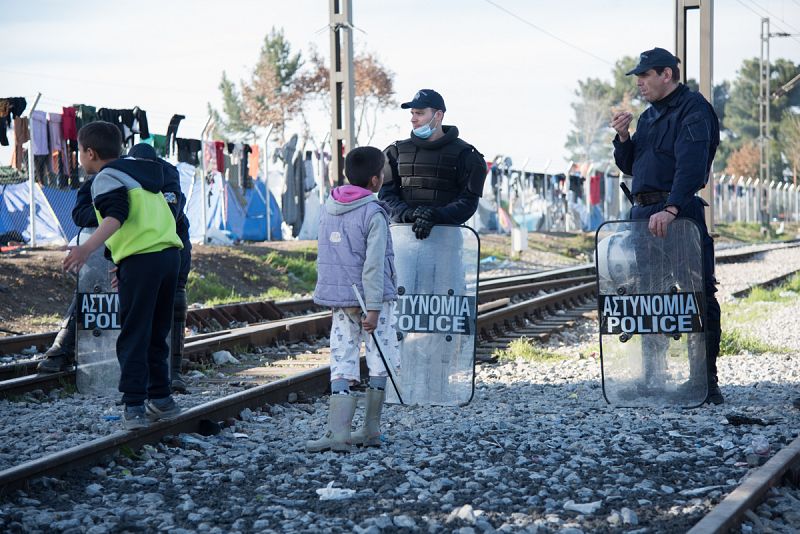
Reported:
(744, 161)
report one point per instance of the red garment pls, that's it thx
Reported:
(69, 128)
(219, 148)
(594, 189)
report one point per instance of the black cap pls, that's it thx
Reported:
(362, 163)
(143, 151)
(425, 98)
(650, 59)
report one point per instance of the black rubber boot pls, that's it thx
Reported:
(178, 327)
(61, 354)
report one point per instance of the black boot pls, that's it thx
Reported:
(61, 354)
(178, 327)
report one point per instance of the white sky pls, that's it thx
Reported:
(507, 86)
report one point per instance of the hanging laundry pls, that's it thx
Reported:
(160, 145)
(209, 155)
(188, 150)
(140, 124)
(172, 131)
(10, 108)
(38, 132)
(58, 155)
(219, 151)
(69, 127)
(84, 115)
(244, 171)
(21, 136)
(254, 163)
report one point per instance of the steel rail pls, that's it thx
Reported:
(728, 513)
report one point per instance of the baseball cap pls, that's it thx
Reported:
(650, 59)
(425, 98)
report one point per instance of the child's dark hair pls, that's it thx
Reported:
(363, 163)
(102, 137)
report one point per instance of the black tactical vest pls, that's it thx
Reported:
(428, 177)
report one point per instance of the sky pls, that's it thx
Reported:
(507, 69)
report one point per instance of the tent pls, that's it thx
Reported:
(15, 214)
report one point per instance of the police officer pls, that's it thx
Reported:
(433, 177)
(669, 157)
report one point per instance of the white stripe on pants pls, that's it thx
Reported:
(347, 336)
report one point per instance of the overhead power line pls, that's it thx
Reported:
(762, 16)
(549, 34)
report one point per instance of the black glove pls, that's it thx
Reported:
(422, 227)
(407, 216)
(425, 212)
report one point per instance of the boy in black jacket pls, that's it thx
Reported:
(138, 228)
(61, 354)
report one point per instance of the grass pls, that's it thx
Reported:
(209, 289)
(525, 349)
(751, 232)
(734, 341)
(45, 320)
(300, 269)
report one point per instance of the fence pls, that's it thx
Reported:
(545, 202)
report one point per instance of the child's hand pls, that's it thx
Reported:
(115, 280)
(370, 322)
(76, 258)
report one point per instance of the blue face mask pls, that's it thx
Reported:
(425, 131)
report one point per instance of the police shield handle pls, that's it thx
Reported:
(389, 368)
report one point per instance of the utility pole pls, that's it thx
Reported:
(342, 85)
(763, 104)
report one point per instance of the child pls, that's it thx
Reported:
(355, 247)
(138, 228)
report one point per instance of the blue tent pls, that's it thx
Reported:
(15, 214)
(62, 201)
(246, 213)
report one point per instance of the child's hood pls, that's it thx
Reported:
(347, 198)
(148, 173)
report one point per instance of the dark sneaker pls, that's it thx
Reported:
(55, 364)
(162, 408)
(178, 385)
(714, 395)
(134, 417)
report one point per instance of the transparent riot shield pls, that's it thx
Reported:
(97, 325)
(437, 283)
(651, 307)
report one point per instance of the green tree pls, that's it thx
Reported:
(269, 97)
(742, 110)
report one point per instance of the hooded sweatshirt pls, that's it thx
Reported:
(129, 190)
(355, 247)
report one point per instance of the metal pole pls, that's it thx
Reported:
(204, 200)
(342, 84)
(31, 169)
(266, 183)
(706, 8)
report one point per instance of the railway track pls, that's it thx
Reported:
(531, 306)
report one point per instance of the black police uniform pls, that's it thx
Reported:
(446, 175)
(669, 157)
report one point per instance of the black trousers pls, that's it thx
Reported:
(695, 211)
(146, 295)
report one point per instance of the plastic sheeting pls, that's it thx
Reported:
(15, 214)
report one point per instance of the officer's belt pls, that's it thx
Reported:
(650, 197)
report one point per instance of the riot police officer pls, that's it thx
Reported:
(669, 157)
(433, 177)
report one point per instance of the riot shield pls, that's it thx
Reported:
(651, 308)
(437, 284)
(97, 325)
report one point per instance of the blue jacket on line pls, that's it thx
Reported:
(673, 147)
